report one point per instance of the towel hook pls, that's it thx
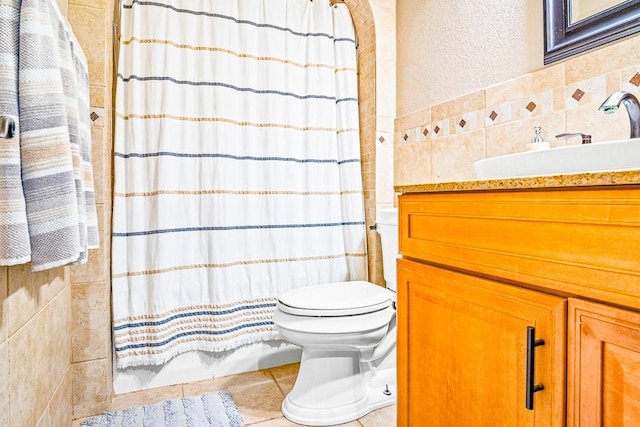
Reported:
(7, 127)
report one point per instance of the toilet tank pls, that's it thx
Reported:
(387, 226)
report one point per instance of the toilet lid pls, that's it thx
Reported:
(335, 299)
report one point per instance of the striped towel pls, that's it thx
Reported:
(51, 101)
(14, 234)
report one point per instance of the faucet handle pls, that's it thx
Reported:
(586, 138)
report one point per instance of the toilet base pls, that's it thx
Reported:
(340, 393)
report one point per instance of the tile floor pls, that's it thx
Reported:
(258, 395)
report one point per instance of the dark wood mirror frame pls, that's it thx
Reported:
(563, 39)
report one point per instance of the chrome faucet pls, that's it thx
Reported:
(612, 103)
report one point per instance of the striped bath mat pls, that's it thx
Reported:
(212, 409)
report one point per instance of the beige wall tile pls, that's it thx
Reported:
(62, 5)
(609, 58)
(385, 21)
(384, 124)
(412, 163)
(5, 409)
(25, 295)
(61, 406)
(4, 289)
(99, 4)
(384, 169)
(90, 385)
(29, 384)
(95, 269)
(57, 315)
(532, 83)
(91, 321)
(471, 102)
(385, 81)
(452, 157)
(513, 137)
(101, 184)
(45, 419)
(417, 118)
(89, 25)
(57, 279)
(601, 127)
(99, 97)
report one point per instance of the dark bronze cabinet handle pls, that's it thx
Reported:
(531, 357)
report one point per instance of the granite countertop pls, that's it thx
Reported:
(628, 177)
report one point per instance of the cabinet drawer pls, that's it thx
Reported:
(575, 242)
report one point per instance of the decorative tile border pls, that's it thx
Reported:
(591, 91)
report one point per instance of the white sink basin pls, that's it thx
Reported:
(596, 157)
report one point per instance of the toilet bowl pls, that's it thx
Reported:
(348, 339)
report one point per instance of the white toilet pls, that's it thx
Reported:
(347, 332)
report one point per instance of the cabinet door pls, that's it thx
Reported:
(603, 365)
(462, 351)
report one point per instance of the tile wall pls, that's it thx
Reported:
(440, 142)
(35, 347)
(375, 28)
(92, 22)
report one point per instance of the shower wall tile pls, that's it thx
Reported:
(89, 25)
(29, 377)
(385, 99)
(90, 388)
(4, 289)
(57, 280)
(4, 390)
(98, 96)
(45, 419)
(95, 269)
(98, 161)
(25, 295)
(63, 5)
(100, 4)
(61, 406)
(57, 316)
(90, 324)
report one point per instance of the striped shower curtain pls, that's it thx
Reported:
(237, 169)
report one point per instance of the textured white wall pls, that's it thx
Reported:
(447, 48)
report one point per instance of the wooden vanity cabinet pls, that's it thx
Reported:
(462, 354)
(479, 267)
(603, 365)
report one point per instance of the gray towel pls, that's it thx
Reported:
(14, 234)
(55, 141)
